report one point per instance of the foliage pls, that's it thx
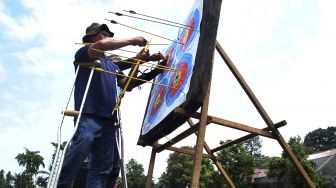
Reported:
(20, 180)
(42, 180)
(283, 169)
(238, 163)
(23, 180)
(253, 146)
(9, 180)
(179, 171)
(31, 161)
(6, 181)
(2, 178)
(135, 174)
(321, 139)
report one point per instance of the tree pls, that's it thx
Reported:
(23, 180)
(253, 146)
(321, 139)
(282, 168)
(31, 161)
(179, 171)
(2, 178)
(135, 174)
(6, 181)
(9, 180)
(239, 164)
(42, 181)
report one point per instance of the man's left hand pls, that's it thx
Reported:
(155, 57)
(143, 55)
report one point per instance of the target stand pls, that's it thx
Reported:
(270, 131)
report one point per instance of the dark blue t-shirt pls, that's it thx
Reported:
(101, 97)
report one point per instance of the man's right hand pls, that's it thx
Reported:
(139, 41)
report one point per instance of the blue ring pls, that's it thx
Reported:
(187, 58)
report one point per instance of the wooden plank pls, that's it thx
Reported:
(200, 140)
(246, 137)
(263, 114)
(215, 160)
(150, 169)
(226, 123)
(178, 138)
(182, 150)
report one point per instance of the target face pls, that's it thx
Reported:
(188, 33)
(180, 57)
(188, 75)
(170, 58)
(179, 79)
(158, 100)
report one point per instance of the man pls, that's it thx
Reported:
(95, 136)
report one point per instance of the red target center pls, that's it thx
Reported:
(158, 101)
(187, 33)
(179, 78)
(169, 57)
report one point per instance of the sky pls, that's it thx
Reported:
(282, 48)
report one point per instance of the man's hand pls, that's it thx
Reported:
(162, 66)
(139, 41)
(143, 55)
(155, 57)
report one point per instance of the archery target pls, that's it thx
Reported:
(156, 101)
(170, 58)
(179, 79)
(187, 35)
(180, 56)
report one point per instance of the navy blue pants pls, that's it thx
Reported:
(95, 139)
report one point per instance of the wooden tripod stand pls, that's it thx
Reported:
(271, 131)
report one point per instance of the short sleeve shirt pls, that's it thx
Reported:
(101, 96)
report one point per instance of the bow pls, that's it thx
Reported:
(131, 74)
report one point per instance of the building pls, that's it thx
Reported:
(325, 163)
